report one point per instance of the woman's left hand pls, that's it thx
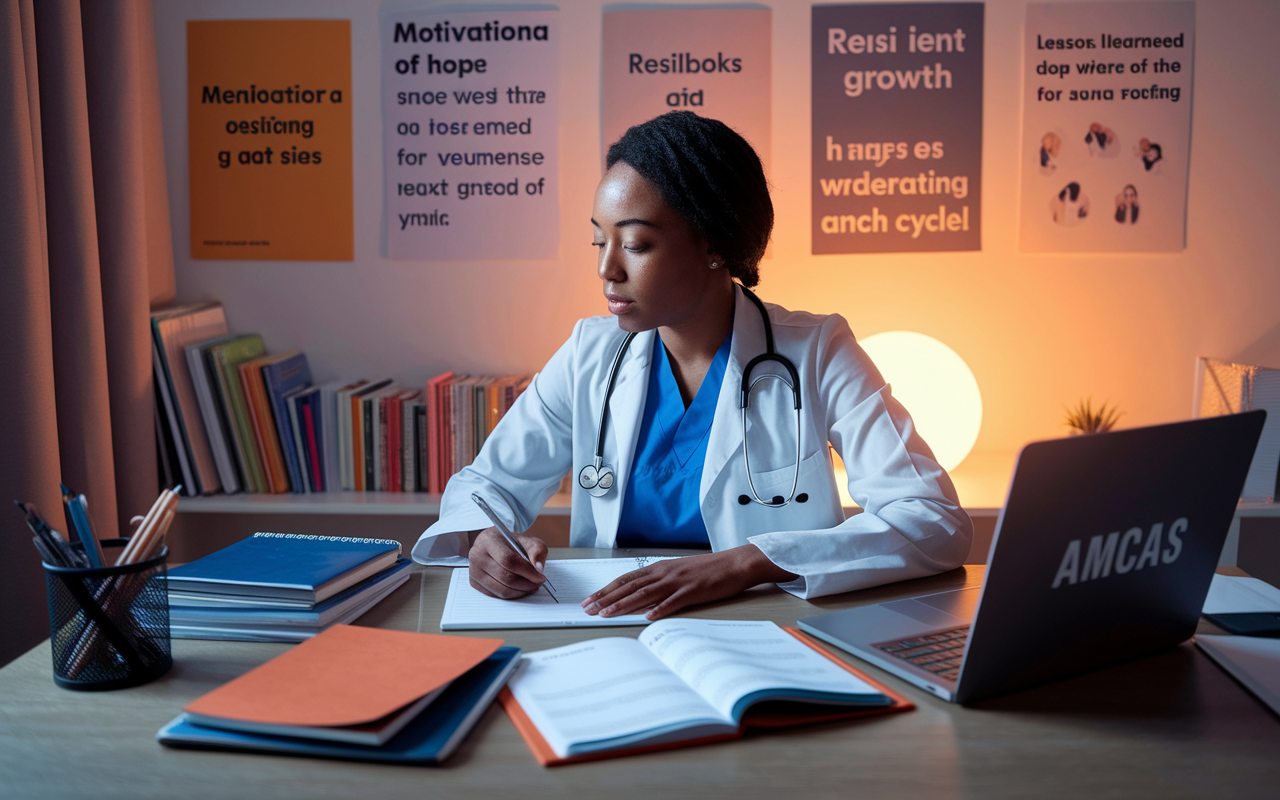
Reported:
(671, 585)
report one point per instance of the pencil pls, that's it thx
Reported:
(93, 536)
(149, 543)
(156, 509)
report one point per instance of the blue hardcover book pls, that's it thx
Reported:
(280, 378)
(320, 615)
(263, 624)
(429, 739)
(297, 566)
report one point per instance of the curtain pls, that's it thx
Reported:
(85, 252)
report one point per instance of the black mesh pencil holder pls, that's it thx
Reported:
(109, 626)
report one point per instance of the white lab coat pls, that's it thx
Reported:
(911, 525)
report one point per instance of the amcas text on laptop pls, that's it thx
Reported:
(1103, 552)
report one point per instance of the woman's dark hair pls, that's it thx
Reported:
(707, 172)
(1153, 154)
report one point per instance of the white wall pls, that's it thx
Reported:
(1039, 331)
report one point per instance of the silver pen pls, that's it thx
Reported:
(510, 537)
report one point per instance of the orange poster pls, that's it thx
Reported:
(269, 134)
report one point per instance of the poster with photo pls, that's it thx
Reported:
(897, 127)
(470, 131)
(1106, 127)
(714, 62)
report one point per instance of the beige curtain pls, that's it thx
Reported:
(85, 251)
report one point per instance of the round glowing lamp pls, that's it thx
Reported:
(937, 388)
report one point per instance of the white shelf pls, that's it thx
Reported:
(386, 503)
(374, 503)
(981, 482)
(414, 504)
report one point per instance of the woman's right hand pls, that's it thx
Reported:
(499, 571)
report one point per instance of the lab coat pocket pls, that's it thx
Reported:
(781, 477)
(820, 509)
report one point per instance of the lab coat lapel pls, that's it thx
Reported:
(625, 408)
(725, 438)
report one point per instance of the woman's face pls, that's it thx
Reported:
(654, 264)
(1130, 195)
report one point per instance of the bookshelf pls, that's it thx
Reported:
(981, 482)
(350, 503)
(380, 504)
(981, 488)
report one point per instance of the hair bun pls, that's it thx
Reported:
(711, 175)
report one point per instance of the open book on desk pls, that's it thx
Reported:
(684, 681)
(1251, 660)
(575, 579)
(1245, 606)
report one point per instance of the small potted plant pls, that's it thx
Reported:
(1084, 418)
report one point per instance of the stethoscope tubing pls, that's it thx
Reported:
(608, 393)
(746, 454)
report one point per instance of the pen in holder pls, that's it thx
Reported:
(110, 625)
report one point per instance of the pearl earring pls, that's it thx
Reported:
(714, 264)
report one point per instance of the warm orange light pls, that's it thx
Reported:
(935, 385)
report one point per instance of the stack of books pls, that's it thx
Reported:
(282, 587)
(230, 417)
(368, 694)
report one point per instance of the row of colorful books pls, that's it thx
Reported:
(230, 417)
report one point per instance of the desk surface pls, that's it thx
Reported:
(1169, 726)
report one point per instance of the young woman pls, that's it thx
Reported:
(1070, 206)
(659, 451)
(1127, 205)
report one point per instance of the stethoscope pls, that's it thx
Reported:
(598, 479)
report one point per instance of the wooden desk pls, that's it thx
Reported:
(1169, 726)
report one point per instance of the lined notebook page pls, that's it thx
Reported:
(609, 693)
(467, 609)
(725, 661)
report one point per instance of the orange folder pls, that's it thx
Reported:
(347, 675)
(754, 720)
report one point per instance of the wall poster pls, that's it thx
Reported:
(1106, 126)
(713, 62)
(470, 131)
(269, 139)
(897, 127)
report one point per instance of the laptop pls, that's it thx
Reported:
(1103, 552)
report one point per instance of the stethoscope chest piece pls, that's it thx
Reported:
(596, 480)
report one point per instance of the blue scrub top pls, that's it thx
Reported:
(661, 507)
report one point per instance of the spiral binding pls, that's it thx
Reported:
(312, 536)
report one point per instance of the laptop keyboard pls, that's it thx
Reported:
(939, 653)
